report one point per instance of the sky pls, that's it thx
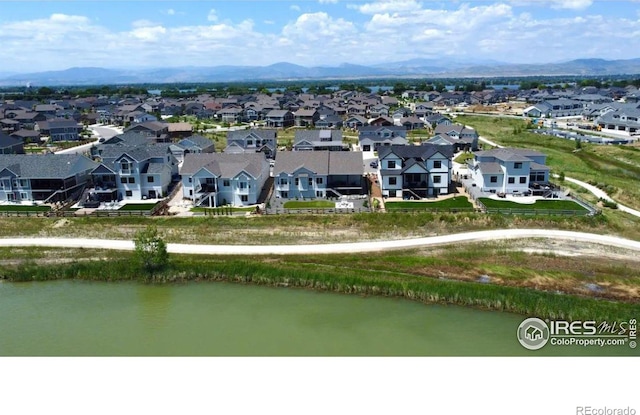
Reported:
(37, 36)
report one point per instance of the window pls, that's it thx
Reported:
(129, 193)
(523, 180)
(125, 166)
(437, 179)
(366, 147)
(437, 164)
(242, 185)
(244, 198)
(511, 180)
(393, 180)
(123, 180)
(297, 181)
(225, 183)
(132, 179)
(284, 181)
(319, 193)
(494, 179)
(149, 179)
(319, 180)
(310, 181)
(391, 164)
(517, 165)
(190, 179)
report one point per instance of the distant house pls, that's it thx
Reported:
(561, 107)
(192, 144)
(218, 179)
(356, 121)
(329, 121)
(279, 119)
(10, 145)
(435, 120)
(318, 174)
(44, 178)
(154, 130)
(414, 172)
(318, 140)
(508, 170)
(179, 130)
(461, 137)
(411, 123)
(373, 137)
(252, 141)
(306, 117)
(59, 129)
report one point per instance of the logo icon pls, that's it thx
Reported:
(533, 333)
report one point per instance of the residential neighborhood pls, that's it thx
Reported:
(246, 150)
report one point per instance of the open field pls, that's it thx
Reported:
(305, 229)
(615, 169)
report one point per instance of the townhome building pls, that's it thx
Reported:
(279, 119)
(252, 141)
(43, 178)
(509, 170)
(131, 170)
(461, 137)
(415, 172)
(192, 144)
(318, 174)
(218, 179)
(59, 129)
(620, 117)
(371, 138)
(318, 140)
(10, 145)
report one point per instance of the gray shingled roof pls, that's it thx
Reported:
(509, 154)
(8, 141)
(320, 162)
(424, 151)
(224, 165)
(262, 134)
(490, 167)
(46, 166)
(315, 136)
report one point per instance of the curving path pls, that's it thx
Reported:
(353, 247)
(592, 189)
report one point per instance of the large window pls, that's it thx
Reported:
(242, 185)
(437, 179)
(437, 164)
(225, 183)
(391, 164)
(244, 198)
(319, 180)
(149, 179)
(517, 165)
(523, 180)
(493, 179)
(511, 180)
(132, 180)
(392, 180)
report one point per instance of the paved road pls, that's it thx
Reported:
(100, 132)
(592, 189)
(492, 235)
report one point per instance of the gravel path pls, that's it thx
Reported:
(492, 235)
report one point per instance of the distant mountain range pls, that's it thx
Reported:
(287, 71)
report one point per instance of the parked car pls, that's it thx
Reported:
(374, 164)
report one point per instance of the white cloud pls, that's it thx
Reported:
(171, 12)
(295, 7)
(327, 1)
(212, 16)
(388, 6)
(555, 4)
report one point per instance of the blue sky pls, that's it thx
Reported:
(51, 35)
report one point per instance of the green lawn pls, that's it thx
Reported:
(223, 209)
(311, 204)
(138, 206)
(24, 208)
(453, 203)
(539, 205)
(462, 158)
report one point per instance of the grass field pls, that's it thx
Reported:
(311, 204)
(452, 203)
(220, 209)
(24, 208)
(539, 205)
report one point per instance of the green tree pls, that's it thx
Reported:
(151, 250)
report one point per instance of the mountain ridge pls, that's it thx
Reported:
(283, 71)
